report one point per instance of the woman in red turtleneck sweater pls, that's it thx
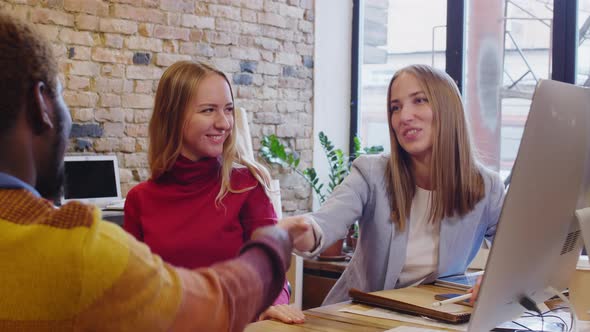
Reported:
(204, 197)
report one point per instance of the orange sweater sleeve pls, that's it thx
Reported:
(148, 295)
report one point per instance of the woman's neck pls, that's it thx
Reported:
(421, 173)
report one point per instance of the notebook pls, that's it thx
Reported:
(416, 301)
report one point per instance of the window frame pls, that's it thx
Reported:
(564, 49)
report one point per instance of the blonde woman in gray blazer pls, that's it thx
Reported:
(425, 208)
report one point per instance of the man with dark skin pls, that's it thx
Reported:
(63, 268)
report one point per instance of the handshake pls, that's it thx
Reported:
(290, 233)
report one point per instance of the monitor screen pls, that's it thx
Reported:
(92, 179)
(538, 239)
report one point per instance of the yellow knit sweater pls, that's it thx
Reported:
(65, 270)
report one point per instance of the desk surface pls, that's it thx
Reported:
(329, 319)
(113, 216)
(325, 265)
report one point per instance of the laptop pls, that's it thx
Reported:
(93, 179)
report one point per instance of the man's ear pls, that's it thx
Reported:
(40, 112)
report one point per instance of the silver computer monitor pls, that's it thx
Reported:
(538, 240)
(91, 179)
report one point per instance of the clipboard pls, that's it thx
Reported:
(415, 301)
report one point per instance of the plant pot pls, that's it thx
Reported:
(333, 250)
(352, 242)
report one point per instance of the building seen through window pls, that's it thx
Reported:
(507, 49)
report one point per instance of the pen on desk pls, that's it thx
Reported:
(452, 300)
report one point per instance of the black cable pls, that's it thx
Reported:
(534, 311)
(567, 326)
(529, 304)
(546, 314)
(523, 326)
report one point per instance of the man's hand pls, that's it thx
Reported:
(301, 232)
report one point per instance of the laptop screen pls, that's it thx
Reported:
(92, 179)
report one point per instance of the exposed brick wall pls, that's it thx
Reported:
(112, 54)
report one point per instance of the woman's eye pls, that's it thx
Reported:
(229, 110)
(207, 110)
(394, 108)
(421, 100)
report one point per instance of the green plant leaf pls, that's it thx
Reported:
(273, 151)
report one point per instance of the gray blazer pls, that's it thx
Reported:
(381, 250)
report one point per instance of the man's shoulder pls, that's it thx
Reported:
(74, 214)
(24, 208)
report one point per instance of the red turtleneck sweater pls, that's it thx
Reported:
(177, 218)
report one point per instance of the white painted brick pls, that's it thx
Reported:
(199, 22)
(84, 68)
(229, 12)
(143, 43)
(245, 53)
(143, 72)
(288, 58)
(166, 60)
(137, 101)
(113, 114)
(70, 36)
(272, 19)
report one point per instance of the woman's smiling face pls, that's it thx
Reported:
(210, 119)
(411, 116)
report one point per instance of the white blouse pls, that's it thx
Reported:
(423, 239)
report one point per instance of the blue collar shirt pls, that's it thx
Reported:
(10, 182)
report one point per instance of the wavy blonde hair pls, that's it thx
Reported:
(175, 89)
(457, 181)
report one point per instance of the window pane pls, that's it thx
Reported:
(583, 56)
(508, 50)
(395, 33)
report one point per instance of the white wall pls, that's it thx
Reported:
(331, 104)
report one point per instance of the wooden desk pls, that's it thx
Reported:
(318, 278)
(329, 319)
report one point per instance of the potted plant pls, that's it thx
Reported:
(273, 151)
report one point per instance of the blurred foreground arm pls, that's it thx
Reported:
(149, 295)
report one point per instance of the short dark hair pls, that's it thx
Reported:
(26, 58)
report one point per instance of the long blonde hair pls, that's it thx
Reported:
(457, 181)
(175, 89)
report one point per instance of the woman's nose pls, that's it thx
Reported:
(223, 121)
(406, 113)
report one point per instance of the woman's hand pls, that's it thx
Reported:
(475, 290)
(301, 231)
(284, 313)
